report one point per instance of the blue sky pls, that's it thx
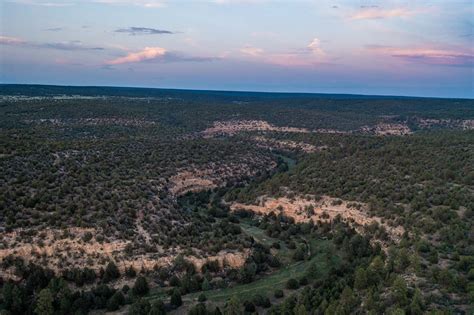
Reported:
(423, 48)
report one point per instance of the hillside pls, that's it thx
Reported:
(152, 201)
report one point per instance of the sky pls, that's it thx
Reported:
(416, 48)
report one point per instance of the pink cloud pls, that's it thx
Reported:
(315, 47)
(379, 13)
(427, 55)
(310, 55)
(149, 53)
(290, 60)
(5, 40)
(251, 51)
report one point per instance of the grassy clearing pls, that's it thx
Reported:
(269, 283)
(258, 234)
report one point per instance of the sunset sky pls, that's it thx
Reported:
(422, 48)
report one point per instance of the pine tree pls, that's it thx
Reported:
(233, 307)
(205, 285)
(44, 303)
(300, 310)
(176, 298)
(360, 279)
(111, 272)
(417, 303)
(157, 308)
(400, 291)
(141, 286)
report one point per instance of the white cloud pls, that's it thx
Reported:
(62, 3)
(251, 51)
(5, 40)
(149, 53)
(371, 13)
(315, 47)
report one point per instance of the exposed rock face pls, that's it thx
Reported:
(324, 210)
(235, 126)
(385, 129)
(56, 250)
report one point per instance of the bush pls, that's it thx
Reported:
(140, 307)
(202, 297)
(198, 309)
(115, 301)
(141, 287)
(292, 284)
(111, 272)
(249, 307)
(278, 294)
(176, 298)
(262, 301)
(157, 308)
(303, 281)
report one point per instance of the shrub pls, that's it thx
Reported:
(141, 286)
(202, 297)
(278, 294)
(292, 284)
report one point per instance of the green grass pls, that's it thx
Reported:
(258, 234)
(269, 283)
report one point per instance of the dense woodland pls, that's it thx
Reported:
(107, 162)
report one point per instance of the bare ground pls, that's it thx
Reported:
(323, 210)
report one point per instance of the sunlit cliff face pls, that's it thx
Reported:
(381, 47)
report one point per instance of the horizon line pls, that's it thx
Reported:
(234, 91)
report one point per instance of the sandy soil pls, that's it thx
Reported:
(384, 129)
(57, 252)
(235, 126)
(467, 124)
(286, 144)
(213, 175)
(324, 210)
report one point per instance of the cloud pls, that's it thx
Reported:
(5, 40)
(64, 3)
(427, 55)
(70, 45)
(54, 29)
(43, 3)
(315, 47)
(142, 31)
(156, 54)
(142, 3)
(251, 51)
(374, 12)
(310, 55)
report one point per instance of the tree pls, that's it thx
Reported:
(278, 294)
(130, 272)
(140, 307)
(111, 272)
(300, 309)
(44, 303)
(360, 279)
(115, 301)
(176, 298)
(205, 286)
(400, 291)
(233, 307)
(198, 309)
(292, 284)
(140, 287)
(202, 297)
(417, 303)
(157, 308)
(376, 270)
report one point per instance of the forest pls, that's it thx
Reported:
(153, 201)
